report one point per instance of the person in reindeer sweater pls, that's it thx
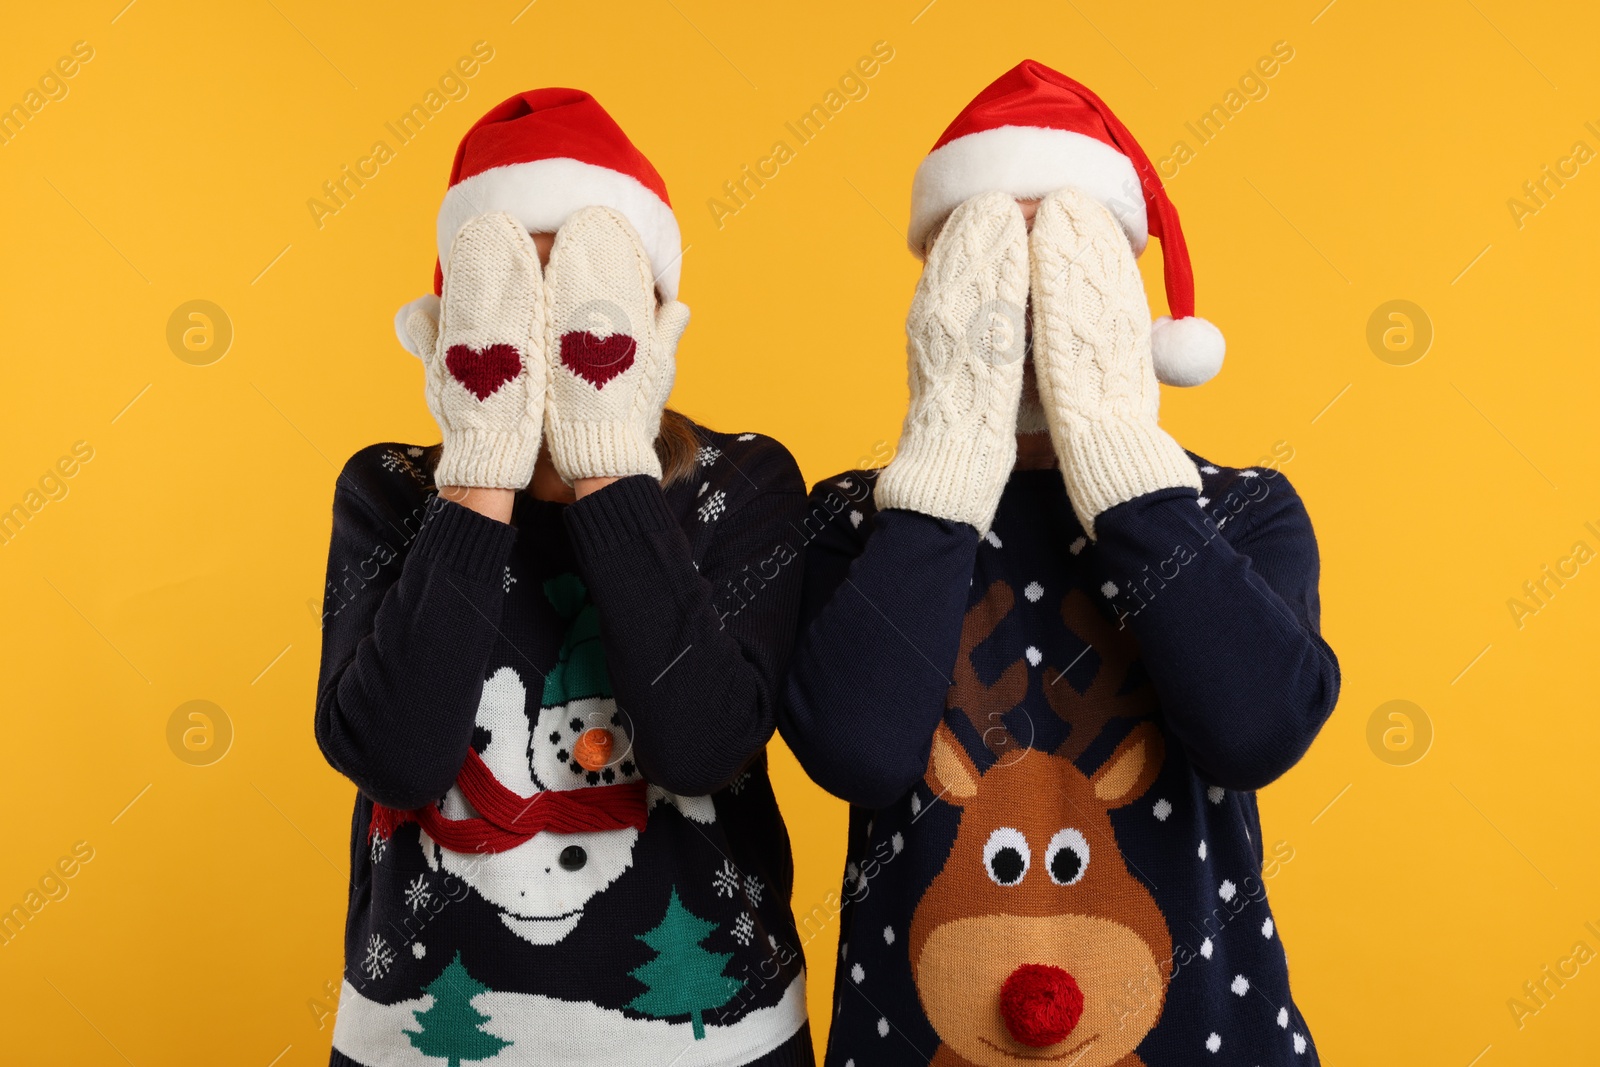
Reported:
(552, 651)
(1046, 654)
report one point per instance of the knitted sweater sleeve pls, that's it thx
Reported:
(880, 629)
(1227, 622)
(406, 638)
(696, 649)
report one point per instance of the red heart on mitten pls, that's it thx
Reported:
(483, 371)
(594, 360)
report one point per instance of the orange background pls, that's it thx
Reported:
(185, 559)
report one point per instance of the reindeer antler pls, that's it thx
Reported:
(1089, 711)
(983, 705)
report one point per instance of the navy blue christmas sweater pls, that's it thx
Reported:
(565, 848)
(1051, 748)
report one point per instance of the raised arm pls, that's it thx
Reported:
(872, 670)
(699, 683)
(1228, 628)
(403, 660)
(879, 636)
(696, 655)
(406, 638)
(1230, 644)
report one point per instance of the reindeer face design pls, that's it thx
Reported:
(542, 885)
(1035, 910)
(1035, 943)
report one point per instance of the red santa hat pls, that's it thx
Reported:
(540, 156)
(1033, 131)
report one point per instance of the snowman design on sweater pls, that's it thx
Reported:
(682, 1002)
(575, 740)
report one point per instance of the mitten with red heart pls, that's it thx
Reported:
(484, 358)
(611, 350)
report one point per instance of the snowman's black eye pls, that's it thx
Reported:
(572, 858)
(1006, 856)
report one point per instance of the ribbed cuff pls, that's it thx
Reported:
(624, 511)
(956, 479)
(601, 450)
(473, 545)
(1109, 462)
(488, 459)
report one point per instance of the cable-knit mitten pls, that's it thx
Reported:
(964, 347)
(484, 358)
(1091, 357)
(611, 349)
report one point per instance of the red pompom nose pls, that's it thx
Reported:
(1040, 1004)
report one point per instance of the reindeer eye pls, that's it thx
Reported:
(572, 858)
(1005, 856)
(1067, 857)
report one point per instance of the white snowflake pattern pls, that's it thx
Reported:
(1033, 654)
(1033, 592)
(1162, 809)
(888, 935)
(747, 437)
(1206, 948)
(1300, 1044)
(1267, 928)
(753, 888)
(1209, 469)
(507, 580)
(897, 842)
(1240, 986)
(1213, 1042)
(377, 847)
(744, 927)
(1283, 1018)
(883, 1027)
(414, 452)
(855, 518)
(379, 957)
(714, 506)
(418, 893)
(1227, 890)
(1109, 589)
(418, 949)
(397, 463)
(707, 455)
(1215, 794)
(1202, 850)
(726, 881)
(858, 974)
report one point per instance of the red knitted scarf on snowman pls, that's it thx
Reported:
(506, 819)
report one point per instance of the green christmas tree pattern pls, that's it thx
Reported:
(450, 1028)
(684, 978)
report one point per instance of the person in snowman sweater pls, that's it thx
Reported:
(1048, 655)
(552, 650)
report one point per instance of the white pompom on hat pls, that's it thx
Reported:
(539, 157)
(1033, 131)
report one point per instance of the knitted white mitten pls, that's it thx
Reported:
(1091, 356)
(964, 343)
(484, 359)
(611, 350)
